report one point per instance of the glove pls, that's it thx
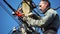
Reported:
(19, 14)
(33, 16)
(24, 18)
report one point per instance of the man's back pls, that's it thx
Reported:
(54, 23)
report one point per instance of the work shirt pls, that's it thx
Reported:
(50, 20)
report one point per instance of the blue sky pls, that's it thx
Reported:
(7, 22)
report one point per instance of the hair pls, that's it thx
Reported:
(47, 2)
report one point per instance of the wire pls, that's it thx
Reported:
(56, 8)
(20, 18)
(9, 14)
(19, 5)
(9, 6)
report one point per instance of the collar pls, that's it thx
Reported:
(46, 10)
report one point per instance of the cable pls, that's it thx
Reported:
(20, 18)
(9, 13)
(19, 5)
(56, 8)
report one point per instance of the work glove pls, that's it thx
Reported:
(33, 16)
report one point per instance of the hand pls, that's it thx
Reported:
(19, 14)
(33, 16)
(30, 14)
(24, 18)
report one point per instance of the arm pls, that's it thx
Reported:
(47, 19)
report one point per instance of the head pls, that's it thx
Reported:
(43, 5)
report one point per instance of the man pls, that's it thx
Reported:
(51, 19)
(49, 23)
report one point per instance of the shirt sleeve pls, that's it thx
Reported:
(47, 19)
